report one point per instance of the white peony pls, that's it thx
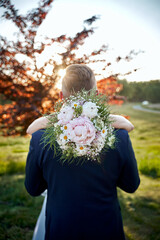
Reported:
(65, 115)
(90, 110)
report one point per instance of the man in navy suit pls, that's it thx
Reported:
(82, 201)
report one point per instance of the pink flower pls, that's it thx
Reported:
(81, 131)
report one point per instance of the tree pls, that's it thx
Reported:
(111, 87)
(30, 90)
(140, 91)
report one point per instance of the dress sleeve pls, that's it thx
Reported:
(129, 177)
(34, 180)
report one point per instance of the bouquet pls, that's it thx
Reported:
(80, 129)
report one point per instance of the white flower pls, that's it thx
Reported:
(63, 139)
(104, 132)
(81, 150)
(90, 109)
(110, 128)
(111, 140)
(65, 115)
(99, 142)
(64, 128)
(74, 104)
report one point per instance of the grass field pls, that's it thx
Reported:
(141, 211)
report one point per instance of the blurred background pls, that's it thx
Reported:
(120, 41)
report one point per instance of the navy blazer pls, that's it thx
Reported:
(82, 200)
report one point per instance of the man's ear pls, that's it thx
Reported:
(61, 95)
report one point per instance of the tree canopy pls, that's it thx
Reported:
(29, 89)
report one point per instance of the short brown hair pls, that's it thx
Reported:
(77, 77)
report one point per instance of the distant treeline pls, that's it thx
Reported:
(140, 91)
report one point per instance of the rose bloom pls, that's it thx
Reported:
(81, 131)
(65, 115)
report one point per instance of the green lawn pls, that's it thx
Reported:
(141, 211)
(145, 138)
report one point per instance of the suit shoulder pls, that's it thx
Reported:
(121, 133)
(38, 134)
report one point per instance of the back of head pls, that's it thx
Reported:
(77, 77)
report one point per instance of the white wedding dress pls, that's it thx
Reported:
(39, 231)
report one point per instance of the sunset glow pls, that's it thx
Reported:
(61, 73)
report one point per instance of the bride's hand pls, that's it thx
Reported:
(37, 124)
(118, 122)
(121, 122)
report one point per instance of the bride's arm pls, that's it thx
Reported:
(118, 122)
(121, 122)
(37, 124)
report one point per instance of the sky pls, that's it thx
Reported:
(123, 25)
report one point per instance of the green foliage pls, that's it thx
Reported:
(13, 152)
(140, 91)
(49, 138)
(18, 210)
(78, 111)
